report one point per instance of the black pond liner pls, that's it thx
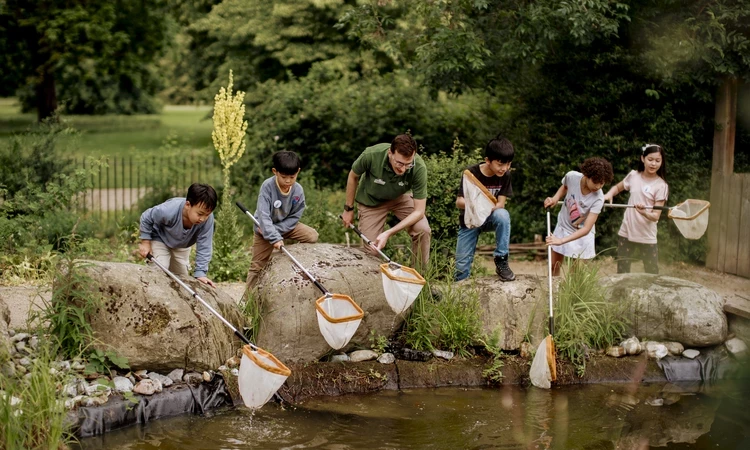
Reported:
(175, 400)
(709, 366)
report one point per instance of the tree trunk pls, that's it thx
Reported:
(46, 96)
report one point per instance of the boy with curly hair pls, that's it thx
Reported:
(574, 234)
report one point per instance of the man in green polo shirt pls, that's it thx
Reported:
(390, 178)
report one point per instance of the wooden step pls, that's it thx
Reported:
(738, 306)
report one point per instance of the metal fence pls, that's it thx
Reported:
(119, 183)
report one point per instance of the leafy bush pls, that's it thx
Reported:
(329, 117)
(231, 259)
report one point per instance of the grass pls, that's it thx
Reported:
(177, 127)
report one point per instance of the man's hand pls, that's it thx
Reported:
(381, 240)
(144, 248)
(205, 280)
(347, 217)
(278, 245)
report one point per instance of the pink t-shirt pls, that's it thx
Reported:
(635, 227)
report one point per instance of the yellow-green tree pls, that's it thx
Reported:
(230, 260)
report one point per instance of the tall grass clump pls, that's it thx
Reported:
(32, 410)
(447, 317)
(584, 319)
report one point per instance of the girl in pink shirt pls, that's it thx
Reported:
(648, 187)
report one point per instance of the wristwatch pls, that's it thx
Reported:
(348, 208)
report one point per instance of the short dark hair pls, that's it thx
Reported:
(286, 162)
(202, 193)
(599, 170)
(404, 144)
(499, 149)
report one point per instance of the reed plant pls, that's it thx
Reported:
(584, 319)
(32, 409)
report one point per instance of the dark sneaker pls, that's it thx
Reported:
(502, 269)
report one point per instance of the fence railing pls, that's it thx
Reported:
(119, 183)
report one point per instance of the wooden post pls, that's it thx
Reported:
(722, 167)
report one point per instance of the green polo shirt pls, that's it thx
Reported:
(378, 182)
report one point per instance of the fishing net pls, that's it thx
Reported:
(401, 286)
(338, 318)
(691, 217)
(544, 368)
(478, 201)
(261, 375)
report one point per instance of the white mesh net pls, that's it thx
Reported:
(691, 217)
(261, 375)
(338, 318)
(478, 201)
(401, 286)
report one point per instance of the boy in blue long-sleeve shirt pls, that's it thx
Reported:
(168, 231)
(281, 202)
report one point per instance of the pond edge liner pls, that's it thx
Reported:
(309, 380)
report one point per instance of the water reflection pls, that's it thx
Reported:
(573, 417)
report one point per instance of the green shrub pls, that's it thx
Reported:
(231, 259)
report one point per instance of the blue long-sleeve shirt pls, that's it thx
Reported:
(277, 213)
(163, 223)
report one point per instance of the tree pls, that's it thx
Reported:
(93, 57)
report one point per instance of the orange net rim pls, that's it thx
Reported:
(278, 368)
(417, 280)
(360, 313)
(551, 358)
(705, 207)
(478, 184)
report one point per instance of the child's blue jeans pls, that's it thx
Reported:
(499, 222)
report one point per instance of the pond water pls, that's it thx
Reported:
(569, 417)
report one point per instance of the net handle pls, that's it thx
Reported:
(369, 242)
(237, 333)
(622, 205)
(286, 252)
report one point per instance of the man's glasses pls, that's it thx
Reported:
(401, 165)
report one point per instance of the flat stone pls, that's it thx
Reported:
(386, 358)
(674, 348)
(656, 350)
(193, 378)
(655, 401)
(141, 374)
(176, 375)
(363, 355)
(122, 384)
(340, 358)
(442, 354)
(616, 351)
(738, 307)
(19, 337)
(164, 380)
(691, 353)
(736, 346)
(147, 387)
(632, 346)
(24, 362)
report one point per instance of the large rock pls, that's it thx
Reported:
(4, 321)
(663, 308)
(512, 310)
(154, 322)
(289, 324)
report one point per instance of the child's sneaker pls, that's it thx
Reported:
(502, 269)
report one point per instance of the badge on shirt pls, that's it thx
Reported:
(379, 181)
(401, 183)
(647, 189)
(277, 204)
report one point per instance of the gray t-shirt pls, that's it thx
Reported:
(163, 223)
(277, 213)
(577, 206)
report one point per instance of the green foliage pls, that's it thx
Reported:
(66, 313)
(329, 117)
(584, 319)
(32, 410)
(252, 309)
(493, 372)
(447, 319)
(378, 342)
(96, 57)
(322, 208)
(230, 259)
(98, 361)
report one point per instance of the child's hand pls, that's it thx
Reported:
(144, 248)
(549, 202)
(553, 240)
(608, 198)
(278, 245)
(205, 280)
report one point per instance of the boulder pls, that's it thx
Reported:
(512, 310)
(289, 324)
(669, 309)
(156, 324)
